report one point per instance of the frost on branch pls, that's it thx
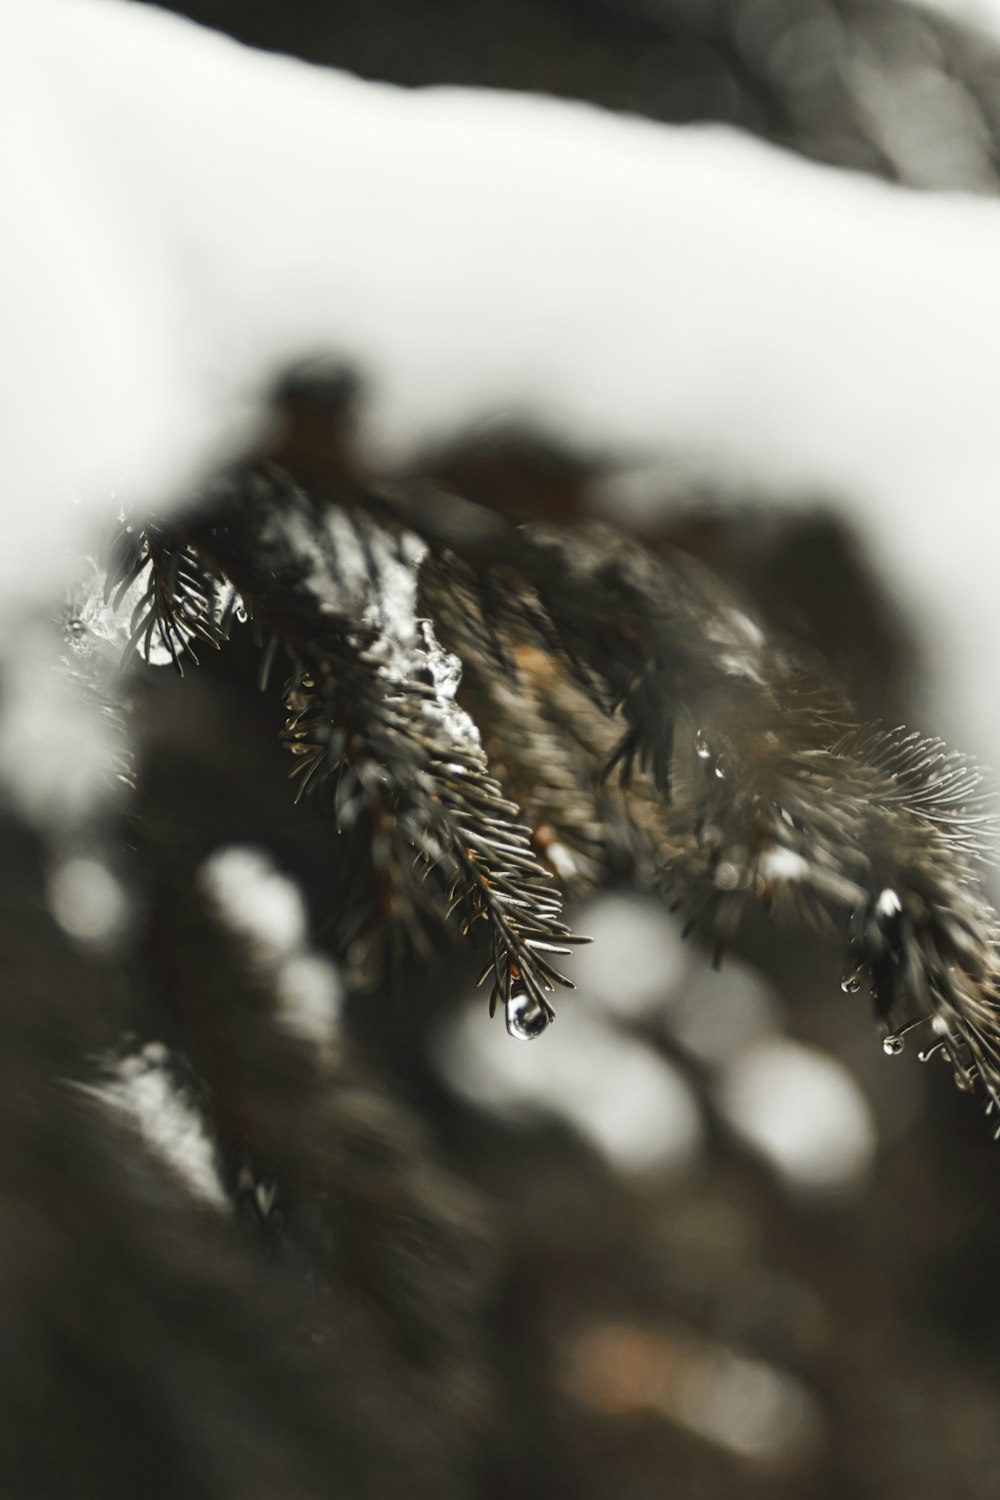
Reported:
(370, 699)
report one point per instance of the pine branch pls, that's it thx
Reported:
(178, 601)
(370, 708)
(630, 702)
(767, 787)
(541, 768)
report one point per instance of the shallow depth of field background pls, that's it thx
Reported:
(738, 1251)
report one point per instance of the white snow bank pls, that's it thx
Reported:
(186, 217)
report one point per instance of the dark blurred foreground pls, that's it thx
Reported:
(413, 1296)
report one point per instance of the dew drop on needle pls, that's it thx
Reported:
(526, 1019)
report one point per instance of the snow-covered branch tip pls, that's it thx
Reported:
(371, 713)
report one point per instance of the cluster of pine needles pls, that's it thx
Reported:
(513, 714)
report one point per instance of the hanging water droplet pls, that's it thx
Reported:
(963, 1081)
(242, 613)
(893, 1044)
(721, 767)
(701, 747)
(526, 1019)
(851, 983)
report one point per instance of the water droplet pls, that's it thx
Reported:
(893, 1045)
(963, 1081)
(526, 1019)
(851, 983)
(701, 747)
(242, 613)
(721, 767)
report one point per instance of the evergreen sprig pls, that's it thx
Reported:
(180, 602)
(745, 770)
(627, 702)
(369, 704)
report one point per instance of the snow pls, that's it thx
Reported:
(649, 295)
(782, 864)
(143, 1091)
(99, 627)
(368, 573)
(984, 14)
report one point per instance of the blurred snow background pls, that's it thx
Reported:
(650, 297)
